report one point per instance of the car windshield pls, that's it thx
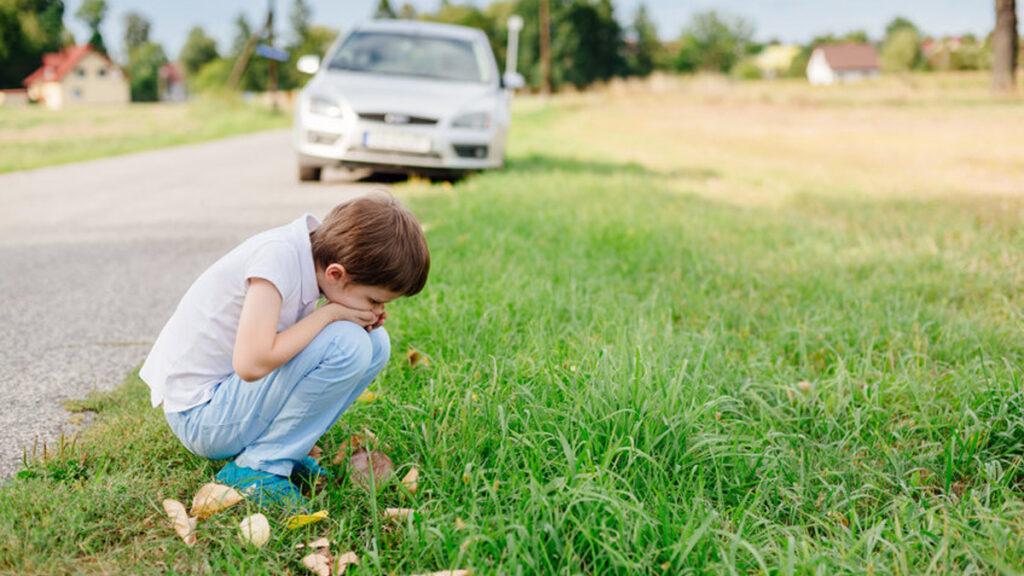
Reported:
(400, 54)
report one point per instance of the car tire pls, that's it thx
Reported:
(310, 173)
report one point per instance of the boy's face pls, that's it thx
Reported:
(337, 287)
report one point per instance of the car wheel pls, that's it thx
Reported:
(310, 173)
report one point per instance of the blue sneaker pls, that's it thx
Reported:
(308, 471)
(262, 488)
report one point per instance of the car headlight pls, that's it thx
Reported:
(473, 120)
(324, 106)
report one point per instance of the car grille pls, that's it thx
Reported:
(383, 117)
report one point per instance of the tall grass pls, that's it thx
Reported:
(626, 378)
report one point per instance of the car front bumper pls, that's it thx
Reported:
(348, 141)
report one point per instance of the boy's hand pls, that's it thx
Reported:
(365, 318)
(380, 321)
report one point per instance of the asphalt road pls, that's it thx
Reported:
(94, 257)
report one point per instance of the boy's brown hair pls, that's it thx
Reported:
(377, 240)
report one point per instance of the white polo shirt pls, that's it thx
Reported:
(193, 353)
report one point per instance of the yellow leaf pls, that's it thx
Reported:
(367, 397)
(301, 520)
(417, 358)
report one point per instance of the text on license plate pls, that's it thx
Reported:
(396, 141)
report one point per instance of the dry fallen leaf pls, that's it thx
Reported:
(804, 386)
(184, 526)
(318, 562)
(364, 439)
(460, 524)
(300, 520)
(213, 498)
(362, 462)
(316, 452)
(343, 561)
(397, 514)
(447, 573)
(417, 358)
(411, 480)
(255, 530)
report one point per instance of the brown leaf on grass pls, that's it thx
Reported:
(804, 386)
(411, 480)
(343, 561)
(184, 526)
(316, 452)
(315, 544)
(365, 439)
(213, 498)
(369, 468)
(318, 562)
(255, 529)
(417, 358)
(397, 514)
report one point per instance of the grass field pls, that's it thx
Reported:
(696, 330)
(35, 137)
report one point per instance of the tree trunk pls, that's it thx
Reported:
(545, 47)
(1004, 46)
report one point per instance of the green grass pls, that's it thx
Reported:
(613, 389)
(36, 137)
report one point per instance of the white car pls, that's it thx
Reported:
(404, 96)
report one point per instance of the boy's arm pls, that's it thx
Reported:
(260, 348)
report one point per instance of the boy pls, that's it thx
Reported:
(248, 367)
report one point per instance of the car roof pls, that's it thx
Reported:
(419, 27)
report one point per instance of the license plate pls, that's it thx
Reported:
(396, 141)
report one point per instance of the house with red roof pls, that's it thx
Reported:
(849, 62)
(77, 75)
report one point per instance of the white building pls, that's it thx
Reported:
(832, 63)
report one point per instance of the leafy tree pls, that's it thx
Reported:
(144, 71)
(300, 18)
(136, 31)
(646, 54)
(900, 51)
(243, 31)
(384, 10)
(28, 29)
(199, 49)
(715, 41)
(407, 12)
(860, 36)
(92, 13)
(588, 42)
(900, 23)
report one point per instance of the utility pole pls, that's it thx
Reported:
(1004, 47)
(272, 64)
(545, 47)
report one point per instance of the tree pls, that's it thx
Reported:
(714, 42)
(136, 31)
(384, 10)
(900, 23)
(1004, 46)
(645, 55)
(28, 29)
(92, 13)
(407, 12)
(300, 18)
(144, 71)
(199, 49)
(900, 51)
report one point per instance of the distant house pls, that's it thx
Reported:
(75, 76)
(832, 63)
(173, 87)
(775, 60)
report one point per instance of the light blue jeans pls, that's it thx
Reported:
(271, 423)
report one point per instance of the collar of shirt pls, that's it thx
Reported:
(302, 227)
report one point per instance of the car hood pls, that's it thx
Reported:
(413, 96)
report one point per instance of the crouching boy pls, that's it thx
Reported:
(250, 368)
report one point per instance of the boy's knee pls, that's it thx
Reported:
(381, 342)
(347, 346)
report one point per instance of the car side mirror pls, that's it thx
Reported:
(512, 81)
(309, 64)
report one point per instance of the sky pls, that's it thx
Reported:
(785, 20)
